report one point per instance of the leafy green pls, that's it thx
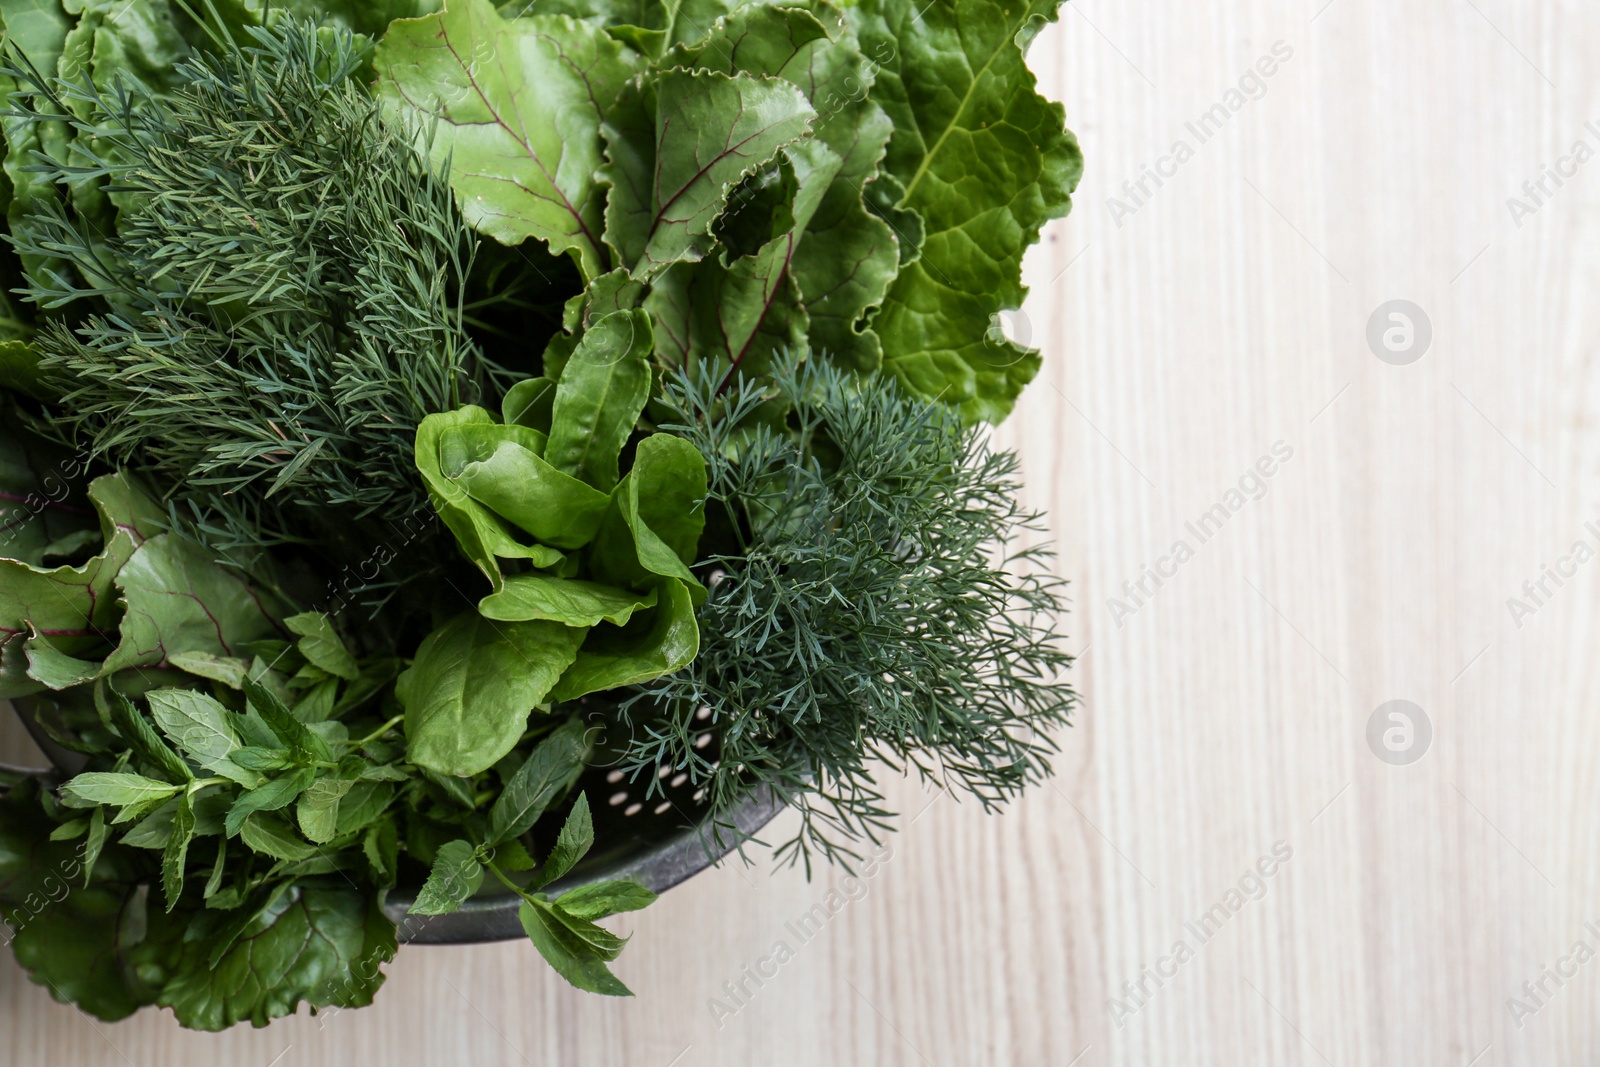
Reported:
(564, 600)
(602, 392)
(562, 941)
(321, 645)
(687, 437)
(675, 144)
(572, 844)
(469, 692)
(119, 790)
(455, 876)
(519, 108)
(318, 944)
(984, 161)
(547, 772)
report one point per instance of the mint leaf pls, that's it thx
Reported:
(203, 729)
(573, 958)
(518, 108)
(117, 790)
(455, 876)
(271, 835)
(547, 773)
(273, 796)
(139, 735)
(317, 810)
(304, 744)
(601, 899)
(572, 844)
(320, 643)
(175, 858)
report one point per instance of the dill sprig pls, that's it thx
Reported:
(280, 306)
(873, 603)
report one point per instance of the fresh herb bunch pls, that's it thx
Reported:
(871, 604)
(257, 329)
(279, 307)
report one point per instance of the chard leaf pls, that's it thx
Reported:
(602, 391)
(319, 944)
(455, 876)
(985, 161)
(57, 670)
(547, 773)
(720, 318)
(228, 670)
(676, 143)
(655, 643)
(74, 949)
(601, 899)
(75, 605)
(650, 26)
(320, 643)
(468, 693)
(573, 958)
(179, 600)
(518, 107)
(40, 504)
(564, 600)
(848, 257)
(572, 844)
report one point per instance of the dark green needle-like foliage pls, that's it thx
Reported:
(278, 309)
(873, 604)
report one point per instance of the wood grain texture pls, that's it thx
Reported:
(1228, 711)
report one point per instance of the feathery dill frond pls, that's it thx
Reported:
(278, 310)
(876, 605)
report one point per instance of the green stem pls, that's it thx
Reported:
(380, 731)
(509, 884)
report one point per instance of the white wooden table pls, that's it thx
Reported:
(1188, 329)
